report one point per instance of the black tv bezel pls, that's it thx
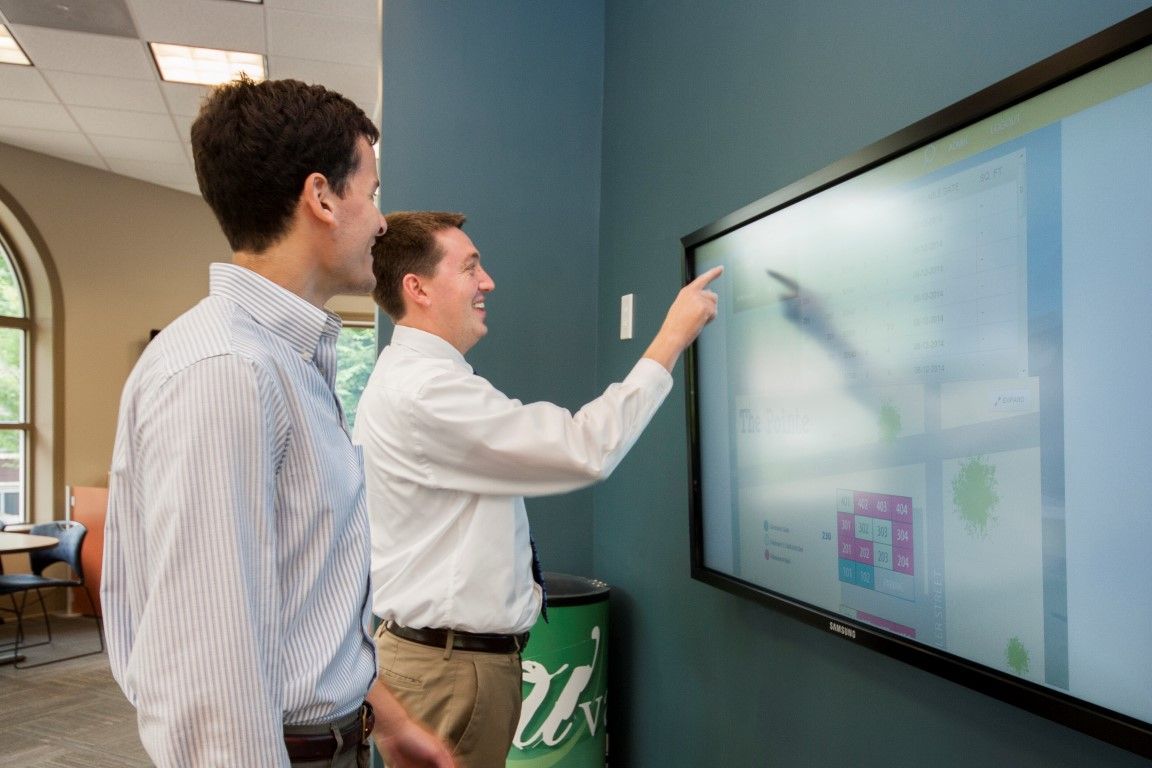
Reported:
(1115, 42)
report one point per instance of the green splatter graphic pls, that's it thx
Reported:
(889, 422)
(1017, 656)
(975, 497)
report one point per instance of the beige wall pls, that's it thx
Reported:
(130, 257)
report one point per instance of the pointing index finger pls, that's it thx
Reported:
(704, 279)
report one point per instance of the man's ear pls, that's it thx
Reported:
(317, 197)
(412, 286)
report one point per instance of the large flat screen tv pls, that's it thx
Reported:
(923, 417)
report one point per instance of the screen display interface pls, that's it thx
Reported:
(925, 404)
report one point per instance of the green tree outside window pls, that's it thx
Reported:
(355, 358)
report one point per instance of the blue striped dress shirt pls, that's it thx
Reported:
(237, 546)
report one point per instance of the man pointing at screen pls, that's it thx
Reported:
(449, 460)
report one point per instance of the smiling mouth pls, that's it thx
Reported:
(478, 305)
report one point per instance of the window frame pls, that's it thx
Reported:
(27, 325)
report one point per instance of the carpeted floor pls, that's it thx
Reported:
(66, 715)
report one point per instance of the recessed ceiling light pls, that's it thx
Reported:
(10, 51)
(205, 66)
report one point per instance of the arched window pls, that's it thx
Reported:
(15, 428)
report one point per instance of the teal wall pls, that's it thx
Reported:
(495, 108)
(709, 106)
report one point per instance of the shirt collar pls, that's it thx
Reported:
(427, 344)
(276, 308)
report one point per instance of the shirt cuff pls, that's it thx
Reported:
(650, 374)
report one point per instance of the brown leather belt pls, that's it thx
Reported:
(324, 746)
(461, 641)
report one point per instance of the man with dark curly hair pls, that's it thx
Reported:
(236, 552)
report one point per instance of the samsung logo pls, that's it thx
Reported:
(840, 629)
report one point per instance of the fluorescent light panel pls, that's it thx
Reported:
(205, 66)
(10, 51)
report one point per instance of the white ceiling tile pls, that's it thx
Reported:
(89, 54)
(210, 23)
(169, 170)
(116, 147)
(362, 9)
(93, 79)
(166, 173)
(356, 9)
(109, 92)
(359, 83)
(168, 184)
(57, 143)
(24, 83)
(184, 98)
(329, 38)
(117, 122)
(372, 110)
(93, 160)
(38, 115)
(183, 126)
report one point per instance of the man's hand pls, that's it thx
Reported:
(411, 746)
(694, 307)
(402, 741)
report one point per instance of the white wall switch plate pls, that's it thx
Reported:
(626, 316)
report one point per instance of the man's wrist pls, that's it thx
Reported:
(389, 712)
(664, 351)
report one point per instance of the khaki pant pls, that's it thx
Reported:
(468, 698)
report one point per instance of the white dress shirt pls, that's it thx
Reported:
(236, 553)
(448, 461)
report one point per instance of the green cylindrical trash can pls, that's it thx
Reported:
(565, 679)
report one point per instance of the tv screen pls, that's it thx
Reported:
(922, 418)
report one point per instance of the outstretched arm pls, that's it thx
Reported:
(694, 307)
(485, 442)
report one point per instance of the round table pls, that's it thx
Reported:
(12, 543)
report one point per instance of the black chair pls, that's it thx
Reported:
(70, 535)
(6, 651)
(12, 610)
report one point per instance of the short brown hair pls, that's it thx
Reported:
(254, 144)
(408, 246)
